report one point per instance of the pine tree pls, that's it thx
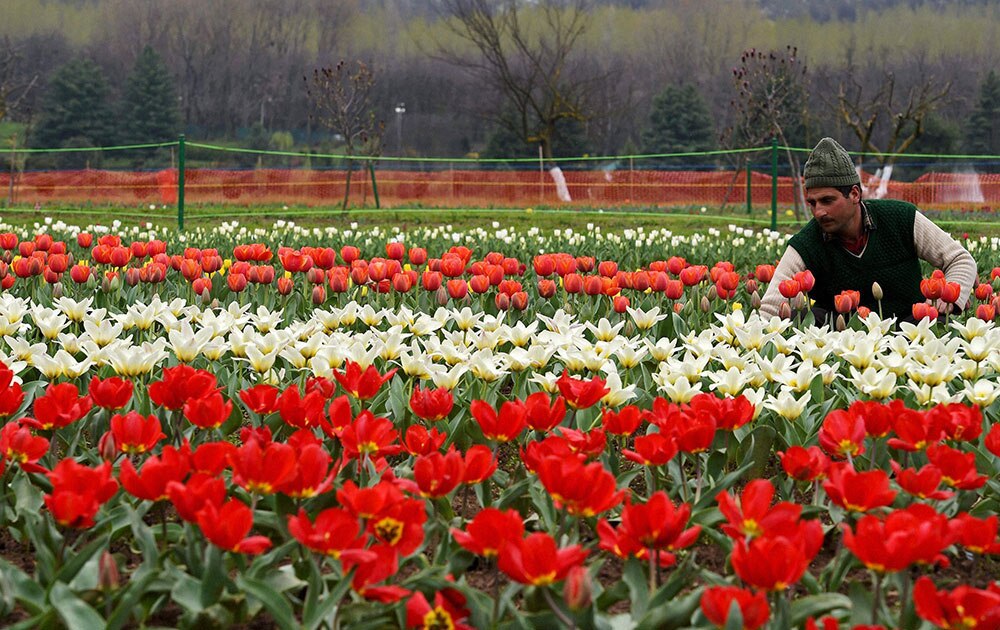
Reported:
(149, 106)
(982, 131)
(679, 123)
(76, 110)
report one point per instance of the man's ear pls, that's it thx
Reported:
(855, 193)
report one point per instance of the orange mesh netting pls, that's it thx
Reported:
(461, 188)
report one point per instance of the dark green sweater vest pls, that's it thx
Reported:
(890, 258)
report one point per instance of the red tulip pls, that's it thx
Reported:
(580, 489)
(150, 481)
(208, 411)
(227, 527)
(804, 464)
(858, 491)
(78, 492)
(581, 393)
(362, 384)
(962, 607)
(537, 561)
(135, 433)
(716, 602)
(111, 393)
(335, 533)
(504, 426)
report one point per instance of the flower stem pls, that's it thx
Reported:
(560, 615)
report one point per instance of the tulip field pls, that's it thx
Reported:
(494, 428)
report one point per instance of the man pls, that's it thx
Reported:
(850, 244)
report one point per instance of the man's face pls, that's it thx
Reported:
(835, 213)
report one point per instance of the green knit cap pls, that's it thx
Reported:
(829, 165)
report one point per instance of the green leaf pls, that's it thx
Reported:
(187, 592)
(213, 580)
(17, 585)
(80, 558)
(274, 603)
(734, 619)
(130, 598)
(676, 614)
(636, 579)
(818, 605)
(74, 612)
(761, 450)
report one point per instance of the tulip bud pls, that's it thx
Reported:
(799, 302)
(578, 591)
(57, 290)
(841, 324)
(877, 291)
(441, 296)
(206, 297)
(106, 284)
(318, 294)
(678, 307)
(108, 576)
(785, 310)
(706, 305)
(108, 447)
(755, 300)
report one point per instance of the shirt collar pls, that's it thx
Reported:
(867, 223)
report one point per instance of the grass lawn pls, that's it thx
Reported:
(683, 220)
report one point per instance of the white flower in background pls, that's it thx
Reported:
(618, 395)
(776, 369)
(485, 340)
(49, 322)
(546, 381)
(786, 405)
(260, 362)
(416, 364)
(729, 383)
(22, 350)
(186, 343)
(215, 349)
(920, 332)
(978, 348)
(604, 330)
(61, 365)
(933, 372)
(451, 353)
(731, 358)
(880, 384)
(448, 378)
(519, 334)
(264, 320)
(661, 349)
(630, 356)
(756, 397)
(700, 344)
(466, 319)
(644, 320)
(486, 366)
(425, 325)
(862, 351)
(927, 395)
(491, 323)
(74, 310)
(688, 366)
(403, 317)
(131, 361)
(973, 328)
(800, 379)
(676, 387)
(982, 393)
(69, 342)
(969, 369)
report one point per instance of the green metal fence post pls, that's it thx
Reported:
(774, 183)
(749, 193)
(180, 183)
(371, 169)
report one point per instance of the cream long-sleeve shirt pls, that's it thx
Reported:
(932, 243)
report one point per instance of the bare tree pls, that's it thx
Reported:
(341, 98)
(770, 103)
(13, 87)
(900, 118)
(527, 53)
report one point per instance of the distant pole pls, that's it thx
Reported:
(774, 182)
(400, 110)
(180, 183)
(749, 188)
